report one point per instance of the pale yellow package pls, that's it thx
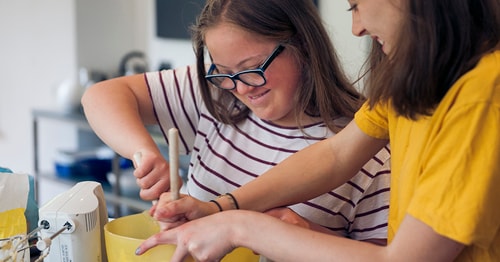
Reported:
(14, 189)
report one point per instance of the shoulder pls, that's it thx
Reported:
(182, 80)
(477, 92)
(481, 85)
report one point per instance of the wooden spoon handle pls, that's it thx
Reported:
(173, 146)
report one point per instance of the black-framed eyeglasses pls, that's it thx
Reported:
(251, 77)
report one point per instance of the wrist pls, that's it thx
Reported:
(228, 202)
(242, 233)
(217, 205)
(224, 202)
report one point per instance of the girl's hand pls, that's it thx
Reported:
(287, 215)
(172, 214)
(152, 174)
(199, 238)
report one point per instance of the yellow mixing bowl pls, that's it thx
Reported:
(123, 235)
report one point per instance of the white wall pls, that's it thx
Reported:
(352, 50)
(36, 52)
(177, 52)
(107, 30)
(41, 47)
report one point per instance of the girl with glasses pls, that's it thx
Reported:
(272, 86)
(434, 91)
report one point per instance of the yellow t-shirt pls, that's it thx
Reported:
(446, 167)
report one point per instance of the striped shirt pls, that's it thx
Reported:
(224, 157)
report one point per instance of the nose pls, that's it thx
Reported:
(242, 88)
(357, 27)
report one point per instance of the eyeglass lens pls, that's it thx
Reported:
(251, 77)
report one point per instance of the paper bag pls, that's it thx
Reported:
(14, 189)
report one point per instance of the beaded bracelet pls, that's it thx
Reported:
(218, 205)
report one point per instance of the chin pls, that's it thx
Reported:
(266, 117)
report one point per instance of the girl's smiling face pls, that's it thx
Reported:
(380, 19)
(233, 49)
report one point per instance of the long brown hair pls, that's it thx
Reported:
(439, 42)
(324, 90)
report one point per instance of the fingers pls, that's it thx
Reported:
(158, 168)
(167, 210)
(289, 216)
(152, 175)
(147, 162)
(164, 237)
(151, 190)
(186, 206)
(167, 226)
(281, 212)
(180, 254)
(173, 213)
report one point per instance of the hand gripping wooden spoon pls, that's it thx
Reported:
(173, 139)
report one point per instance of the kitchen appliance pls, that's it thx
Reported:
(132, 63)
(72, 225)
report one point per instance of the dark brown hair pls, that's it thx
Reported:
(439, 42)
(324, 90)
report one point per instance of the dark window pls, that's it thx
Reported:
(173, 17)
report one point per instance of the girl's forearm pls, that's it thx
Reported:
(310, 172)
(280, 241)
(113, 111)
